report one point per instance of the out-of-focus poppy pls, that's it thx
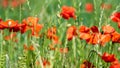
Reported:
(9, 37)
(106, 6)
(64, 50)
(107, 29)
(115, 37)
(87, 64)
(71, 32)
(50, 32)
(115, 65)
(108, 57)
(89, 7)
(31, 47)
(116, 18)
(68, 12)
(12, 3)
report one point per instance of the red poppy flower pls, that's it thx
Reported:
(115, 37)
(46, 63)
(87, 64)
(94, 29)
(71, 32)
(89, 7)
(0, 20)
(108, 57)
(107, 29)
(68, 12)
(115, 65)
(106, 6)
(115, 17)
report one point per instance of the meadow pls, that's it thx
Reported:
(59, 34)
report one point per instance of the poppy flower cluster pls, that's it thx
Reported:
(93, 36)
(31, 23)
(116, 18)
(89, 7)
(68, 12)
(12, 3)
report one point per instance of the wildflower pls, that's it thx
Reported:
(9, 24)
(9, 37)
(31, 23)
(106, 6)
(117, 65)
(12, 3)
(115, 37)
(31, 47)
(89, 7)
(68, 12)
(63, 50)
(108, 57)
(50, 32)
(87, 64)
(104, 38)
(116, 18)
(107, 29)
(71, 32)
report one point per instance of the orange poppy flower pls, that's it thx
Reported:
(94, 38)
(50, 32)
(12, 3)
(106, 6)
(104, 38)
(107, 29)
(55, 39)
(64, 50)
(71, 31)
(84, 29)
(68, 12)
(9, 37)
(31, 47)
(89, 7)
(87, 64)
(115, 37)
(108, 57)
(36, 29)
(84, 36)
